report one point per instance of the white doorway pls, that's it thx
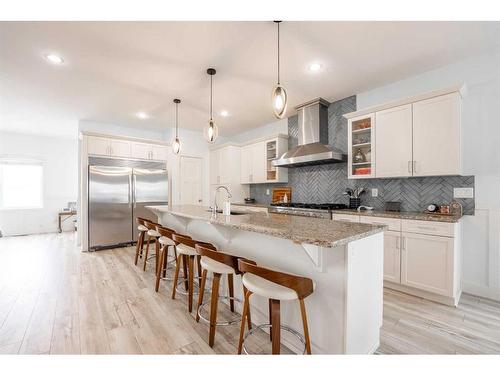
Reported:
(190, 180)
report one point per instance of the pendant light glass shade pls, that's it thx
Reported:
(279, 100)
(211, 132)
(176, 144)
(278, 97)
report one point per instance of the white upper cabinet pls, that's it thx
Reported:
(225, 165)
(246, 164)
(361, 145)
(259, 162)
(393, 142)
(120, 148)
(413, 137)
(148, 151)
(256, 161)
(436, 136)
(98, 146)
(108, 147)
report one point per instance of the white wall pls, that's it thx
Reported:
(59, 157)
(192, 144)
(481, 135)
(273, 128)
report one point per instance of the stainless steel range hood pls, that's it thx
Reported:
(313, 145)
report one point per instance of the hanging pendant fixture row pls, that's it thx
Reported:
(278, 97)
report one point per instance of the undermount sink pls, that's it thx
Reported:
(232, 212)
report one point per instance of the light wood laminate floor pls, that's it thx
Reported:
(55, 299)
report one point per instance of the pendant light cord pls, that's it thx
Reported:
(211, 98)
(176, 120)
(278, 53)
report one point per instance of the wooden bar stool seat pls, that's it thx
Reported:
(140, 240)
(186, 255)
(166, 243)
(275, 286)
(219, 264)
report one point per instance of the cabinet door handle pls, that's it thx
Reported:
(403, 243)
(426, 228)
(409, 166)
(415, 166)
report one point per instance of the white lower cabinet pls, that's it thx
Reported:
(421, 257)
(392, 256)
(427, 263)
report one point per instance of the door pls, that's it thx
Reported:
(246, 164)
(393, 142)
(190, 180)
(436, 136)
(120, 148)
(427, 263)
(259, 169)
(98, 146)
(140, 150)
(110, 206)
(392, 256)
(150, 187)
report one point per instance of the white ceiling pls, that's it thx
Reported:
(114, 69)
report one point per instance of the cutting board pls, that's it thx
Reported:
(279, 193)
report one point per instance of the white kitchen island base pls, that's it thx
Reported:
(344, 312)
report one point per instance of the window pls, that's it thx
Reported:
(21, 184)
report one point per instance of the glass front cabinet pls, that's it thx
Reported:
(361, 143)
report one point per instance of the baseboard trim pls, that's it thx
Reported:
(450, 301)
(482, 291)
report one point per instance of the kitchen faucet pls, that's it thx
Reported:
(215, 207)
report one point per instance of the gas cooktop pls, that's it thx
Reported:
(312, 206)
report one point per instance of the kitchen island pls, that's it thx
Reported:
(345, 260)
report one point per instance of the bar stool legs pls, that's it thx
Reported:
(275, 321)
(245, 315)
(304, 324)
(201, 292)
(188, 268)
(213, 308)
(138, 250)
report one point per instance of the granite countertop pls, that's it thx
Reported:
(299, 229)
(261, 205)
(402, 215)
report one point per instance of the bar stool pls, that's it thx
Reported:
(166, 243)
(140, 240)
(276, 286)
(186, 254)
(152, 234)
(219, 264)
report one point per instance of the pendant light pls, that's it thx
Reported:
(279, 98)
(211, 131)
(176, 144)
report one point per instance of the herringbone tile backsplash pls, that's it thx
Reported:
(326, 183)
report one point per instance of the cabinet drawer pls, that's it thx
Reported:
(427, 227)
(393, 224)
(342, 217)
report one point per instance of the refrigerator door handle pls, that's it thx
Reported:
(130, 190)
(133, 192)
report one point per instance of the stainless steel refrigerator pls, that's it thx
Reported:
(119, 190)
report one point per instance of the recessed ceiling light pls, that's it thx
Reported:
(224, 113)
(142, 115)
(54, 59)
(314, 67)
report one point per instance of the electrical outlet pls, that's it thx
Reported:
(463, 192)
(374, 192)
(268, 192)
